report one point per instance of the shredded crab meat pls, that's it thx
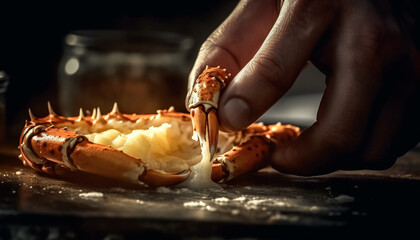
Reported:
(201, 172)
(166, 143)
(161, 144)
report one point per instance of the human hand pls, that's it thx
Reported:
(367, 49)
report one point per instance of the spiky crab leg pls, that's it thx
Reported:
(254, 152)
(203, 102)
(42, 147)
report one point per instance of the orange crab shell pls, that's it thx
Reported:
(208, 86)
(43, 146)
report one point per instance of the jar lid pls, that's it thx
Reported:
(124, 40)
(4, 81)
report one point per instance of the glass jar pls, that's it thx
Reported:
(4, 82)
(142, 72)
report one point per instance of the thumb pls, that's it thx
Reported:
(274, 68)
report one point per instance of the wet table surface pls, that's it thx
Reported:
(264, 205)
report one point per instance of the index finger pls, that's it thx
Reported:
(238, 38)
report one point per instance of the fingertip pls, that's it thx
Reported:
(235, 114)
(279, 162)
(307, 156)
(284, 164)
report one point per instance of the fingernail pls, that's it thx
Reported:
(237, 113)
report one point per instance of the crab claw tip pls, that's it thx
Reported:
(213, 130)
(159, 178)
(199, 121)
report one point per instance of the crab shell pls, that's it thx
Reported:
(47, 144)
(207, 88)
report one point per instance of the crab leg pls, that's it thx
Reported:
(75, 152)
(48, 146)
(245, 158)
(203, 102)
(199, 121)
(254, 153)
(206, 124)
(213, 131)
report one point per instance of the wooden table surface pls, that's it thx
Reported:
(265, 205)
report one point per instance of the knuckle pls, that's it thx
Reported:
(271, 70)
(302, 14)
(379, 40)
(371, 38)
(312, 8)
(216, 40)
(209, 44)
(377, 34)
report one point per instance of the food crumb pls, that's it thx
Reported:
(210, 209)
(313, 208)
(194, 204)
(240, 199)
(221, 199)
(163, 190)
(342, 198)
(91, 194)
(18, 173)
(183, 190)
(235, 212)
(281, 217)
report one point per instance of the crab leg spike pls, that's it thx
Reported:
(213, 130)
(93, 114)
(50, 110)
(98, 114)
(81, 115)
(199, 121)
(115, 109)
(31, 115)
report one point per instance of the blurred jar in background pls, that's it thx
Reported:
(142, 72)
(4, 82)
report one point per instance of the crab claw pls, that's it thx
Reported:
(206, 126)
(203, 101)
(213, 131)
(199, 121)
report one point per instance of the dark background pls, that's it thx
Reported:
(31, 39)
